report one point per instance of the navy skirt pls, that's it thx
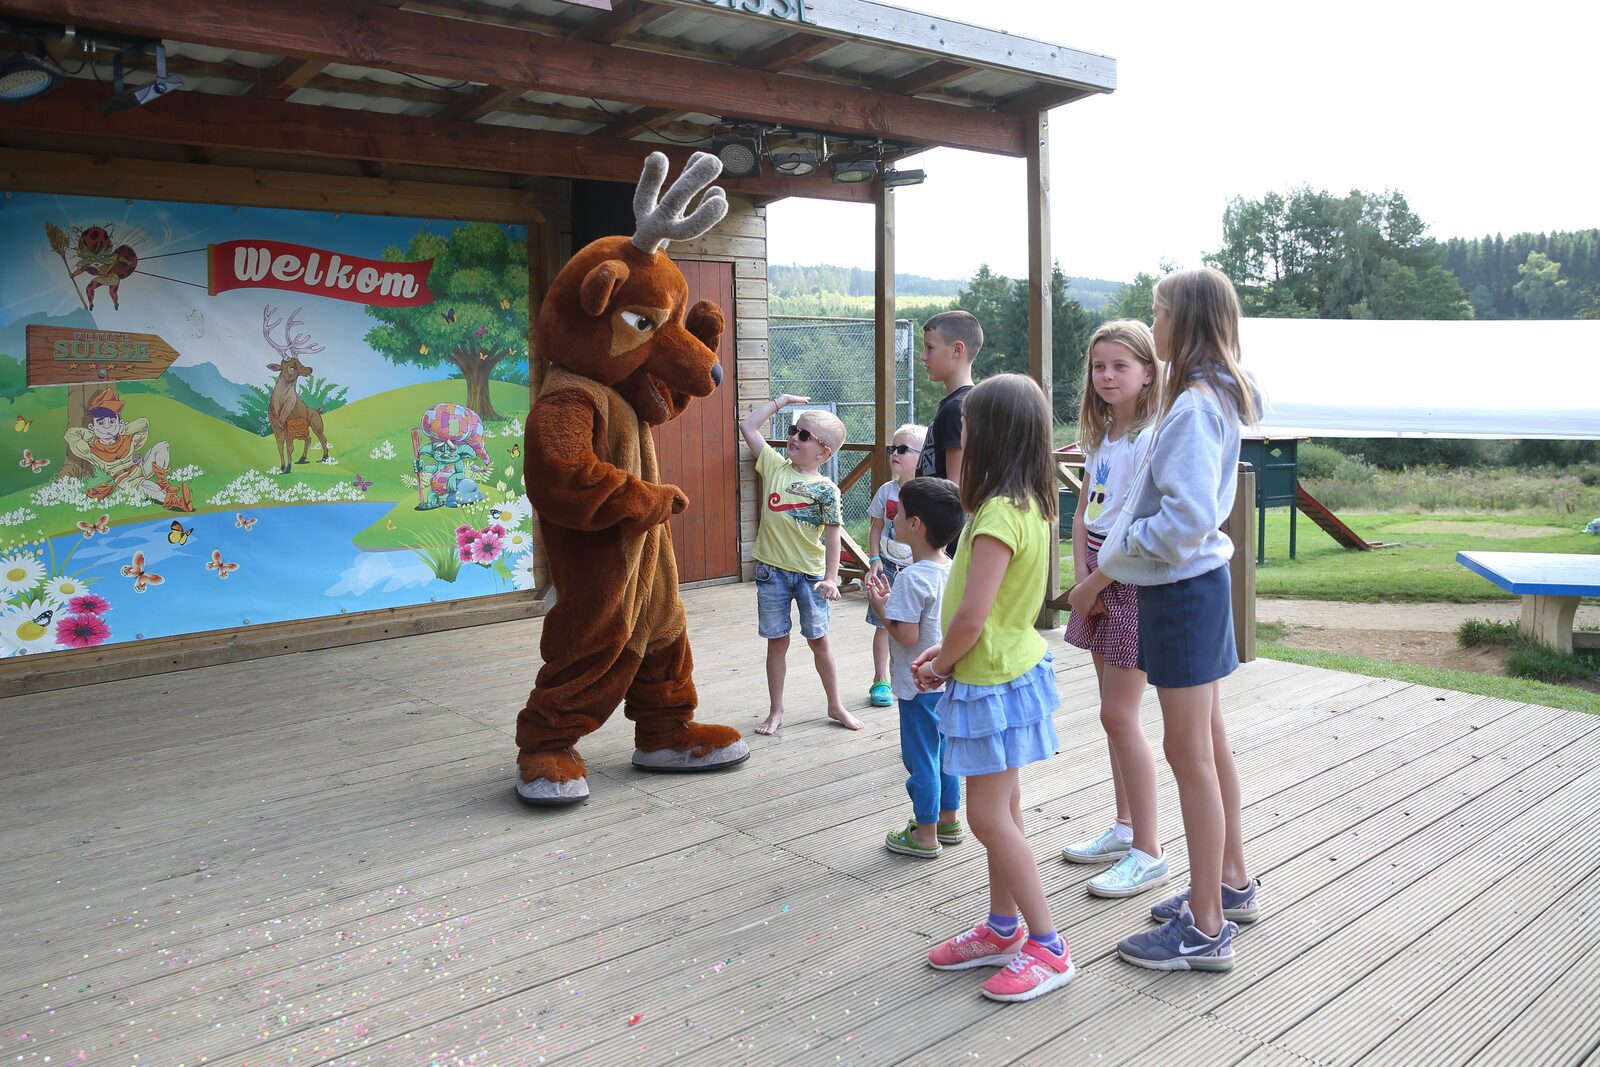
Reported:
(1186, 630)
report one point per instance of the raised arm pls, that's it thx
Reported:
(750, 426)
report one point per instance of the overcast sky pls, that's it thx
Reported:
(1483, 116)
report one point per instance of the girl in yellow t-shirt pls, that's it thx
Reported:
(1001, 691)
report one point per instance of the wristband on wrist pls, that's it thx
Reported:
(935, 672)
(874, 559)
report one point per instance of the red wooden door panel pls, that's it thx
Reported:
(698, 450)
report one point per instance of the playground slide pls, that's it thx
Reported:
(1331, 523)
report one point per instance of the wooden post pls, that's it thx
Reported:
(883, 415)
(1040, 342)
(1240, 529)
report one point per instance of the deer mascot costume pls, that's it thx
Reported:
(625, 354)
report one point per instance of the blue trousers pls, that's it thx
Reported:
(922, 751)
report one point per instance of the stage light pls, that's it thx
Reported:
(739, 148)
(854, 170)
(794, 154)
(126, 98)
(23, 77)
(893, 179)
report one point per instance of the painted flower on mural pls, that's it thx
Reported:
(484, 546)
(257, 487)
(465, 535)
(512, 513)
(522, 572)
(89, 604)
(385, 450)
(25, 628)
(18, 517)
(63, 588)
(19, 572)
(82, 631)
(517, 542)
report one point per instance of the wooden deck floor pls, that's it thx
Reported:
(318, 859)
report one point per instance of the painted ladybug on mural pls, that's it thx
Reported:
(106, 265)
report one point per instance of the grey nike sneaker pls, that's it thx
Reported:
(1102, 848)
(1240, 905)
(1179, 945)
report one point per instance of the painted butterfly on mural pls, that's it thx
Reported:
(361, 483)
(477, 335)
(505, 302)
(448, 316)
(142, 579)
(177, 534)
(243, 523)
(23, 425)
(388, 524)
(515, 450)
(222, 569)
(422, 350)
(27, 460)
(100, 525)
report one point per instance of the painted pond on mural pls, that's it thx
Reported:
(273, 573)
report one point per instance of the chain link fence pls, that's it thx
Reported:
(830, 360)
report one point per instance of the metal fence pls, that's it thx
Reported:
(831, 361)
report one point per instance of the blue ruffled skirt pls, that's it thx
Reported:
(993, 728)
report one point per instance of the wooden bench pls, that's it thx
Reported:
(1550, 584)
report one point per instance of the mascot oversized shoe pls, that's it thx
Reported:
(693, 747)
(560, 778)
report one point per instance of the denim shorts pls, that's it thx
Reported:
(775, 588)
(1186, 630)
(889, 571)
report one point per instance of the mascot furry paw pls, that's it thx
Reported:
(625, 354)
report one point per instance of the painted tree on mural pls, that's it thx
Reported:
(478, 320)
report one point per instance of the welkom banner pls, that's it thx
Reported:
(216, 417)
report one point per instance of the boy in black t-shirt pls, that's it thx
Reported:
(951, 340)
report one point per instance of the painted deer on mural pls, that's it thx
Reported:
(290, 417)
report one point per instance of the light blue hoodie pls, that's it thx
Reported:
(1170, 526)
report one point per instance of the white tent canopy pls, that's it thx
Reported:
(1365, 378)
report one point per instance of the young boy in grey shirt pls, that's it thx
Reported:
(930, 518)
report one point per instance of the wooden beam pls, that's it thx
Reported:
(190, 118)
(883, 364)
(72, 173)
(1040, 319)
(1041, 99)
(472, 106)
(626, 18)
(926, 79)
(280, 81)
(352, 31)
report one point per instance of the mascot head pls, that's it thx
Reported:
(617, 311)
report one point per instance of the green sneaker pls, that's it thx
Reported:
(950, 833)
(905, 844)
(880, 695)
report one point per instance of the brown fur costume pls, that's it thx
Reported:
(626, 355)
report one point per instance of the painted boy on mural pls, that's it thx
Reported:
(116, 449)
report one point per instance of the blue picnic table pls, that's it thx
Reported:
(1550, 584)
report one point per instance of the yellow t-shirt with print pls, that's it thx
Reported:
(1008, 646)
(794, 509)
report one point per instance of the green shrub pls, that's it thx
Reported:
(1476, 633)
(1541, 664)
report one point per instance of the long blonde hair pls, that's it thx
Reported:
(1094, 414)
(1007, 451)
(1203, 338)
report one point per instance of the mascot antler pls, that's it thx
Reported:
(663, 221)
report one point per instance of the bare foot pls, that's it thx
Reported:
(845, 719)
(770, 726)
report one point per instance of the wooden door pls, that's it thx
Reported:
(699, 450)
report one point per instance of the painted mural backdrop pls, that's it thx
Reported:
(214, 417)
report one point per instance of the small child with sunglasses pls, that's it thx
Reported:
(889, 555)
(797, 547)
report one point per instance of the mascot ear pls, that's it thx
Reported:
(599, 284)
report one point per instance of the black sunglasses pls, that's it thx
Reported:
(897, 450)
(801, 434)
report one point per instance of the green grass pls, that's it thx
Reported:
(1520, 690)
(1422, 564)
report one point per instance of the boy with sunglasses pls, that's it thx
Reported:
(889, 555)
(797, 547)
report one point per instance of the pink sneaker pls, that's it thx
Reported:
(978, 947)
(1033, 972)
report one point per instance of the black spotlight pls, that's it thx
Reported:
(854, 170)
(739, 148)
(123, 99)
(23, 77)
(893, 179)
(795, 154)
